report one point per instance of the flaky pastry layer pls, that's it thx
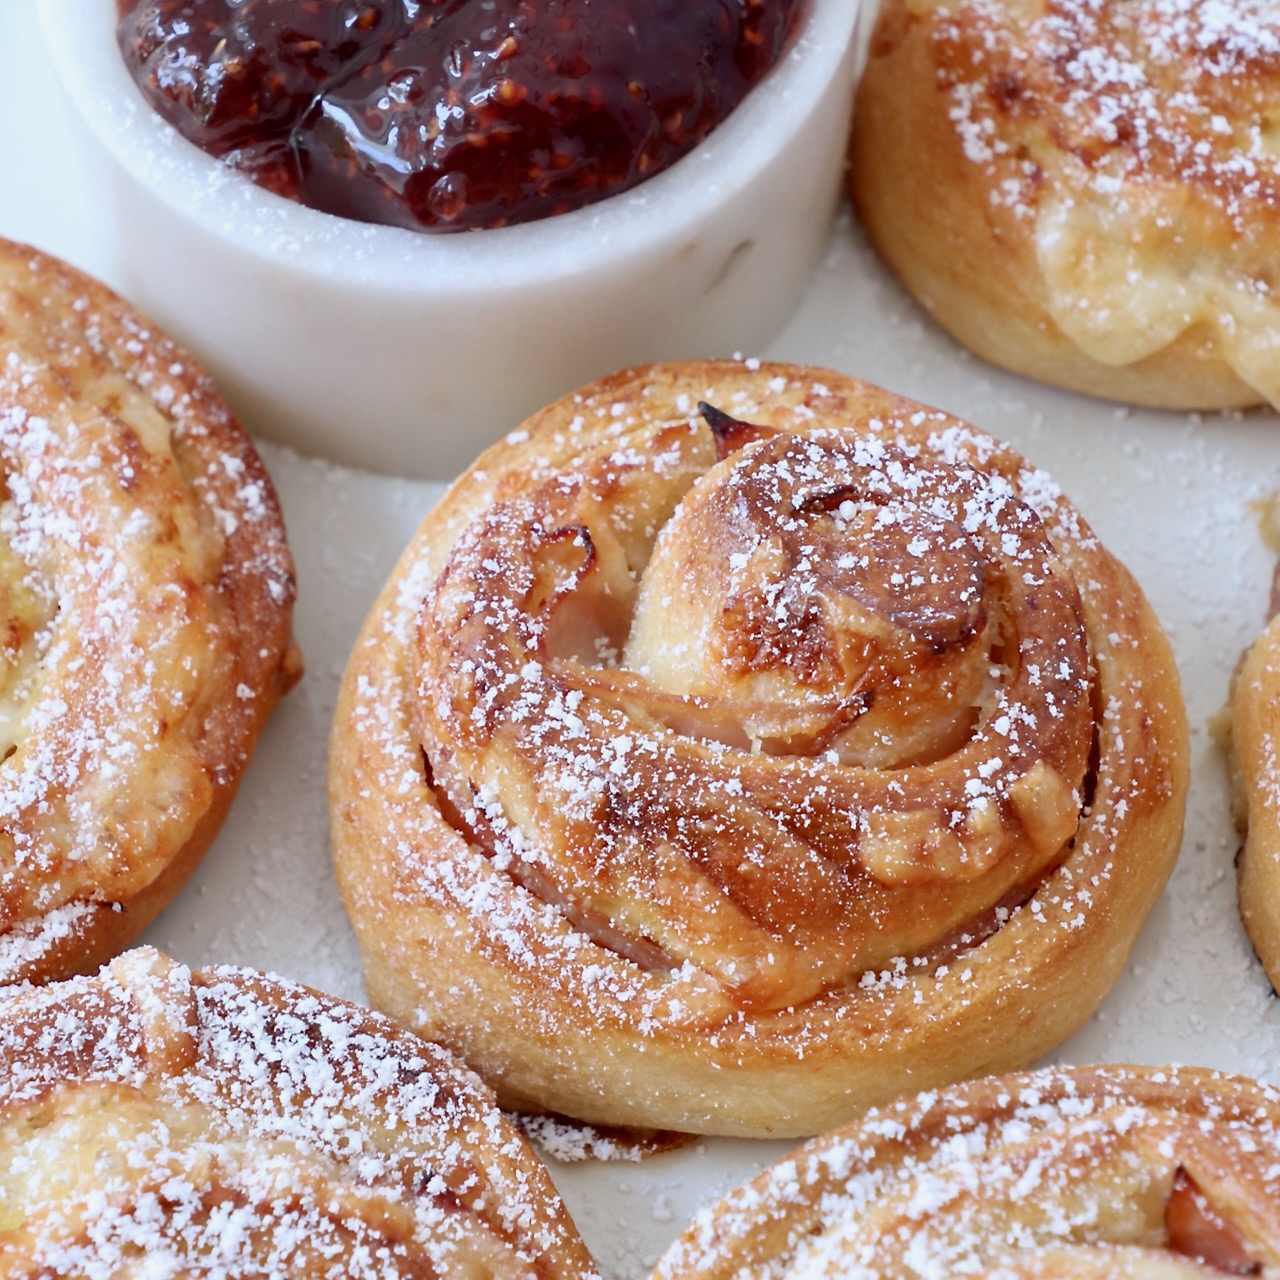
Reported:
(1088, 1172)
(1084, 191)
(155, 1121)
(146, 592)
(732, 768)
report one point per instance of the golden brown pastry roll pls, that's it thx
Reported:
(1083, 191)
(1254, 747)
(159, 1122)
(1096, 1172)
(738, 745)
(146, 592)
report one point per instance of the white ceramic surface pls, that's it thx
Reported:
(1168, 493)
(407, 353)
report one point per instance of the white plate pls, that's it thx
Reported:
(1169, 494)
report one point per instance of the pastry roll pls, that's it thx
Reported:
(1254, 747)
(1099, 1172)
(1083, 191)
(146, 592)
(159, 1122)
(738, 745)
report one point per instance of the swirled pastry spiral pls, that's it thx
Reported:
(729, 770)
(146, 592)
(159, 1122)
(1103, 1172)
(1254, 749)
(1084, 191)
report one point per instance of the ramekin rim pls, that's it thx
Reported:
(667, 209)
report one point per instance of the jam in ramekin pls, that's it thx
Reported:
(450, 114)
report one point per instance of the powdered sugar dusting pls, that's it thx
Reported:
(1001, 1174)
(570, 1141)
(585, 821)
(1129, 159)
(29, 941)
(1167, 493)
(256, 1129)
(141, 547)
(1163, 89)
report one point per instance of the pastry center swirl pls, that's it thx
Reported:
(784, 710)
(831, 614)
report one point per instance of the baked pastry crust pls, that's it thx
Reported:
(1254, 756)
(147, 595)
(1089, 1172)
(735, 777)
(155, 1121)
(1083, 191)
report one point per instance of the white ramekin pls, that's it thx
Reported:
(407, 353)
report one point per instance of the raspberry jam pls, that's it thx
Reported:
(449, 114)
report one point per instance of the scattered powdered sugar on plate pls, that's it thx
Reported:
(570, 1141)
